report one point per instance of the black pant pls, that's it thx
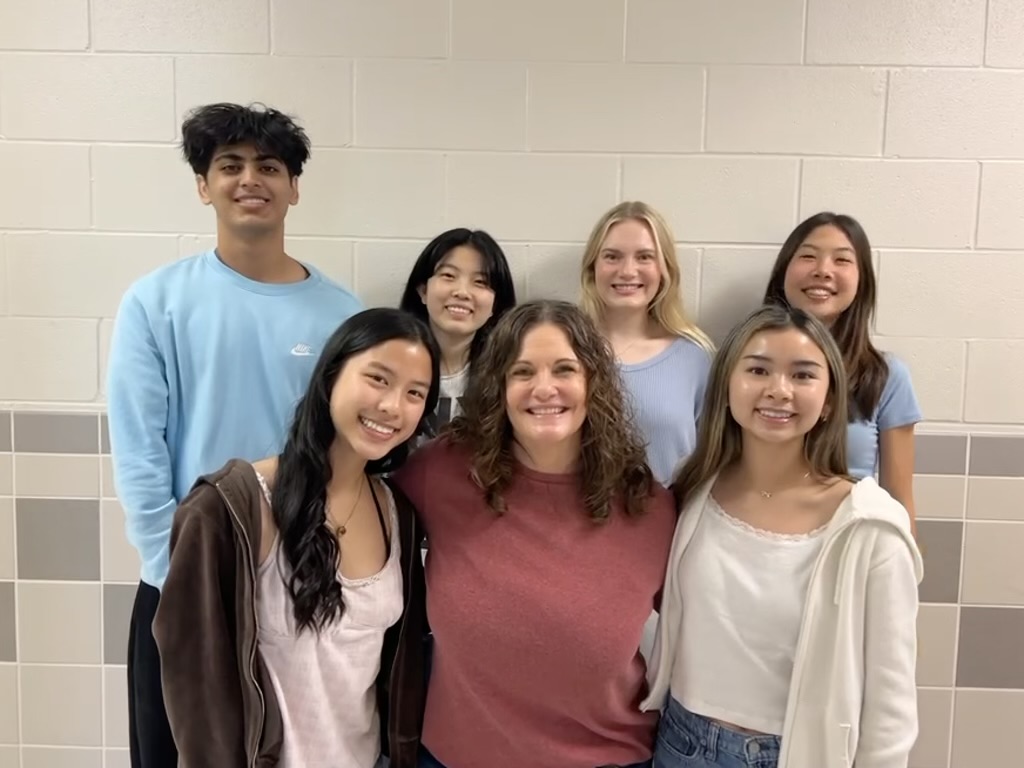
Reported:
(152, 745)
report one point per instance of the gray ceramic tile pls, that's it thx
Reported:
(6, 538)
(5, 432)
(991, 651)
(58, 539)
(997, 456)
(940, 454)
(104, 434)
(8, 623)
(986, 729)
(56, 432)
(940, 542)
(118, 600)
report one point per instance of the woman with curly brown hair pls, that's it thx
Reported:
(548, 542)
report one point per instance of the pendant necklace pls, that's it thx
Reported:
(769, 494)
(341, 530)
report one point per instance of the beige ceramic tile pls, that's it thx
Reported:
(52, 476)
(936, 644)
(59, 623)
(8, 704)
(939, 496)
(986, 729)
(53, 757)
(77, 690)
(934, 711)
(995, 498)
(115, 706)
(992, 564)
(120, 559)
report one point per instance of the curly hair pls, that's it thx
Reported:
(612, 463)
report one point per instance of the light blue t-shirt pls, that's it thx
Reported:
(666, 394)
(897, 407)
(206, 365)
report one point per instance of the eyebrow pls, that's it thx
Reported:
(384, 369)
(798, 363)
(238, 157)
(561, 360)
(814, 247)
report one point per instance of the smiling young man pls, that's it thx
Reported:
(208, 358)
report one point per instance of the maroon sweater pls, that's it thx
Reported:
(537, 618)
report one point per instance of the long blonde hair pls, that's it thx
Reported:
(666, 308)
(719, 436)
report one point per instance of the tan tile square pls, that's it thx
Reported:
(76, 690)
(120, 559)
(6, 538)
(936, 644)
(995, 498)
(51, 757)
(934, 711)
(115, 706)
(59, 623)
(107, 488)
(939, 496)
(117, 758)
(992, 564)
(10, 757)
(986, 729)
(8, 704)
(53, 476)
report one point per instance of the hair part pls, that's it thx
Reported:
(666, 308)
(720, 437)
(212, 126)
(866, 367)
(304, 470)
(612, 463)
(495, 267)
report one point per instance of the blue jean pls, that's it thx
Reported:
(687, 740)
(427, 760)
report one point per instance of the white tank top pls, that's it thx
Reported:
(743, 592)
(325, 684)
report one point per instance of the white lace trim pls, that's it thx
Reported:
(760, 533)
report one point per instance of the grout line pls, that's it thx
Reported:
(451, 29)
(977, 206)
(803, 33)
(625, 27)
(706, 86)
(984, 41)
(885, 109)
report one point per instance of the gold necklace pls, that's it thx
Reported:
(769, 494)
(341, 530)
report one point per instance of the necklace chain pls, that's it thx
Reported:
(341, 530)
(769, 494)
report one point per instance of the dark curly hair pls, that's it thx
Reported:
(612, 464)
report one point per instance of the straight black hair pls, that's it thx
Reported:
(299, 497)
(273, 133)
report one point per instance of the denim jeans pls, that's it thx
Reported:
(427, 760)
(687, 740)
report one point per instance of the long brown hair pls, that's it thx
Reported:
(865, 366)
(719, 436)
(666, 308)
(612, 464)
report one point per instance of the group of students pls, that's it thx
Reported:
(282, 454)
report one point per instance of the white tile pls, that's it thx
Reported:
(939, 497)
(911, 32)
(41, 169)
(331, 256)
(955, 113)
(79, 692)
(9, 705)
(991, 571)
(995, 498)
(518, 257)
(554, 271)
(900, 203)
(732, 283)
(116, 758)
(51, 476)
(797, 110)
(121, 561)
(30, 26)
(1005, 32)
(59, 623)
(10, 757)
(56, 757)
(67, 96)
(146, 189)
(1000, 214)
(936, 369)
(715, 31)
(572, 107)
(956, 283)
(523, 197)
(316, 92)
(115, 707)
(382, 269)
(105, 332)
(57, 359)
(717, 199)
(440, 104)
(107, 478)
(538, 30)
(47, 271)
(5, 285)
(995, 374)
(370, 194)
(385, 28)
(226, 26)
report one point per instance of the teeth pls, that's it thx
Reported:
(547, 411)
(774, 414)
(379, 428)
(818, 293)
(458, 310)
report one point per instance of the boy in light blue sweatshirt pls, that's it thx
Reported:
(208, 357)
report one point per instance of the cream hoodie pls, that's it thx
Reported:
(853, 694)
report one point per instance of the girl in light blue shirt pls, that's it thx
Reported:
(825, 269)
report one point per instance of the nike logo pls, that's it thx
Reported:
(302, 350)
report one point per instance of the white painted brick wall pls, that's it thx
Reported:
(529, 119)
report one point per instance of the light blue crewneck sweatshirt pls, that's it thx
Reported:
(205, 365)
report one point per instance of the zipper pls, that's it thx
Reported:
(393, 731)
(255, 618)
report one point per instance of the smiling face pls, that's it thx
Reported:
(628, 270)
(250, 192)
(458, 297)
(778, 390)
(822, 277)
(546, 392)
(379, 397)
